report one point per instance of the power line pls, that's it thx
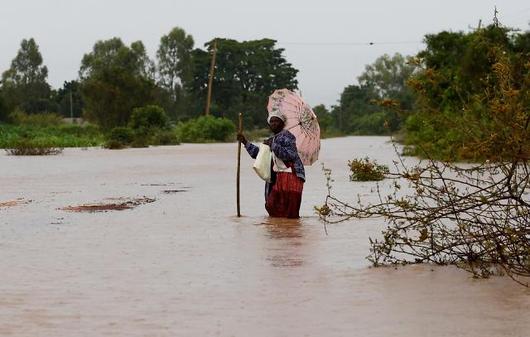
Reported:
(348, 43)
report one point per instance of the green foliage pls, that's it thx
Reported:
(366, 170)
(39, 120)
(3, 109)
(33, 147)
(149, 117)
(144, 137)
(257, 134)
(246, 73)
(115, 79)
(355, 101)
(374, 123)
(325, 120)
(24, 84)
(206, 129)
(149, 125)
(359, 111)
(175, 72)
(58, 136)
(472, 95)
(119, 138)
(69, 100)
(165, 137)
(387, 76)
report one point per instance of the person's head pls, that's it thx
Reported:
(276, 124)
(276, 121)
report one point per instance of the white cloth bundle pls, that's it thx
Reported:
(262, 164)
(278, 165)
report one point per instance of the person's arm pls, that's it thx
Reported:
(251, 148)
(284, 147)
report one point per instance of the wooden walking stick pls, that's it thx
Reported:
(240, 129)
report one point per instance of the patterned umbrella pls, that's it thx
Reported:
(301, 122)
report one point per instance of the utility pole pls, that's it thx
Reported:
(210, 78)
(495, 19)
(71, 107)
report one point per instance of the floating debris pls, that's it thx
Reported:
(34, 151)
(174, 191)
(15, 202)
(58, 221)
(122, 204)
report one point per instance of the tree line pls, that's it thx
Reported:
(427, 97)
(358, 111)
(469, 88)
(472, 102)
(440, 99)
(115, 78)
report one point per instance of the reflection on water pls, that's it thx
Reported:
(290, 234)
(185, 265)
(280, 228)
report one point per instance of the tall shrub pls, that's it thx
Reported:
(206, 129)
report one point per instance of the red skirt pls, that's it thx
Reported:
(285, 197)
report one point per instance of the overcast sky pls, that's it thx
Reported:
(326, 40)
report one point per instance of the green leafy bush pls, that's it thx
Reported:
(40, 119)
(149, 125)
(165, 137)
(366, 170)
(77, 130)
(4, 115)
(149, 117)
(206, 129)
(33, 147)
(472, 96)
(122, 137)
(370, 124)
(119, 138)
(142, 139)
(55, 136)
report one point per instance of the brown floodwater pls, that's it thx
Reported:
(185, 265)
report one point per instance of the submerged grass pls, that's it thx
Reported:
(23, 138)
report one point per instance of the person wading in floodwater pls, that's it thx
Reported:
(283, 195)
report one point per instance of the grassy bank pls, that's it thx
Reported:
(57, 136)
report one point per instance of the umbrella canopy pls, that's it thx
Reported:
(301, 121)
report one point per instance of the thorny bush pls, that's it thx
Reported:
(476, 217)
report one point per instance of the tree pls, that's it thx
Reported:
(359, 110)
(388, 77)
(246, 74)
(24, 84)
(69, 100)
(175, 69)
(356, 105)
(453, 120)
(145, 66)
(325, 120)
(3, 109)
(115, 79)
(149, 117)
(474, 216)
(205, 129)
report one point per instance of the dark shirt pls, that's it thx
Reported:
(284, 147)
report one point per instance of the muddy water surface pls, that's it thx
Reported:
(184, 265)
